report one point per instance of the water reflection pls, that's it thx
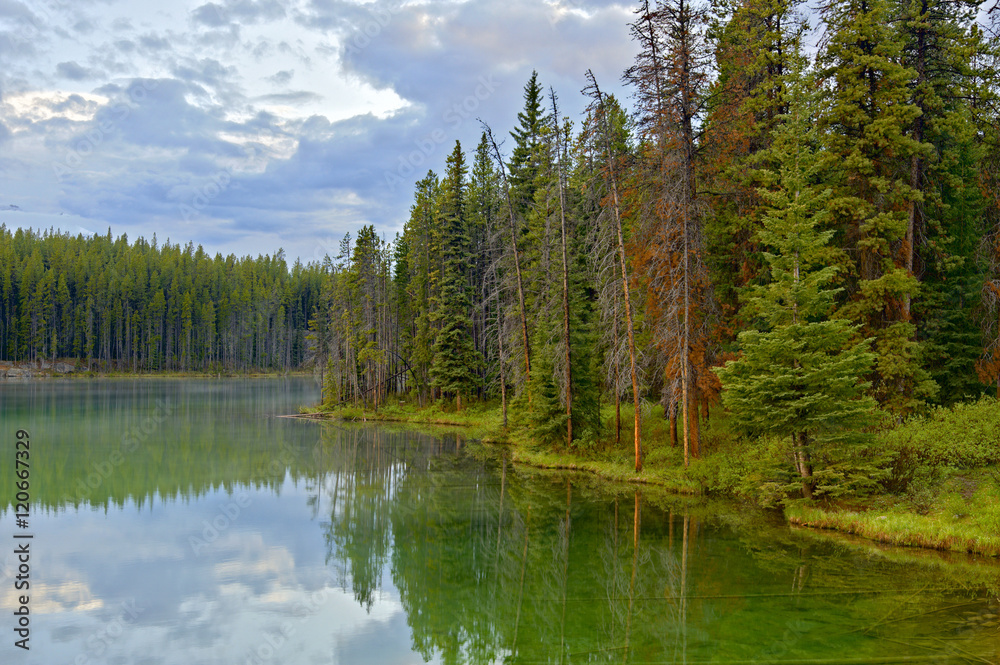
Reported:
(229, 536)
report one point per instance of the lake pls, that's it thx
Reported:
(182, 521)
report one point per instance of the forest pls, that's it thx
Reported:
(807, 235)
(141, 307)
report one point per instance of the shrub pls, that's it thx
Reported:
(966, 436)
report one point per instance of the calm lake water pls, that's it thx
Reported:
(180, 521)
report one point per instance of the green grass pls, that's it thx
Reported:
(482, 419)
(929, 498)
(963, 515)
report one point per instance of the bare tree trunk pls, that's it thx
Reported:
(618, 399)
(517, 259)
(503, 372)
(695, 427)
(565, 271)
(804, 465)
(684, 399)
(673, 423)
(605, 131)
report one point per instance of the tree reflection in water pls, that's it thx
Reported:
(495, 564)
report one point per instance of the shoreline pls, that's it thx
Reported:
(30, 371)
(885, 525)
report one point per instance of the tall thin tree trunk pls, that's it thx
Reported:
(618, 399)
(686, 338)
(695, 426)
(565, 273)
(517, 259)
(605, 131)
(673, 423)
(503, 371)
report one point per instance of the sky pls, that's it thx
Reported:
(246, 126)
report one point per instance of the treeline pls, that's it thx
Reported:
(807, 218)
(141, 306)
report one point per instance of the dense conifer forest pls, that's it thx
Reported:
(139, 307)
(808, 236)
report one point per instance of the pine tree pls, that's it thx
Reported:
(526, 161)
(420, 285)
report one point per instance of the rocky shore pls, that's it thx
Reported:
(29, 370)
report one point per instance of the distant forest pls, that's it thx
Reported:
(757, 208)
(147, 307)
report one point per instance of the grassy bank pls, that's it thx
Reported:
(938, 485)
(897, 525)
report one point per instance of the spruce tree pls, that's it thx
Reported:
(864, 121)
(456, 361)
(526, 162)
(798, 375)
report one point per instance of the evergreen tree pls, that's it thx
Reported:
(526, 161)
(864, 123)
(941, 45)
(798, 375)
(420, 286)
(456, 362)
(756, 43)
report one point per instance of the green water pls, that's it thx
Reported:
(180, 521)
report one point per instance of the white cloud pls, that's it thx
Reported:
(322, 112)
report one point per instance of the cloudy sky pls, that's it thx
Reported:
(249, 125)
